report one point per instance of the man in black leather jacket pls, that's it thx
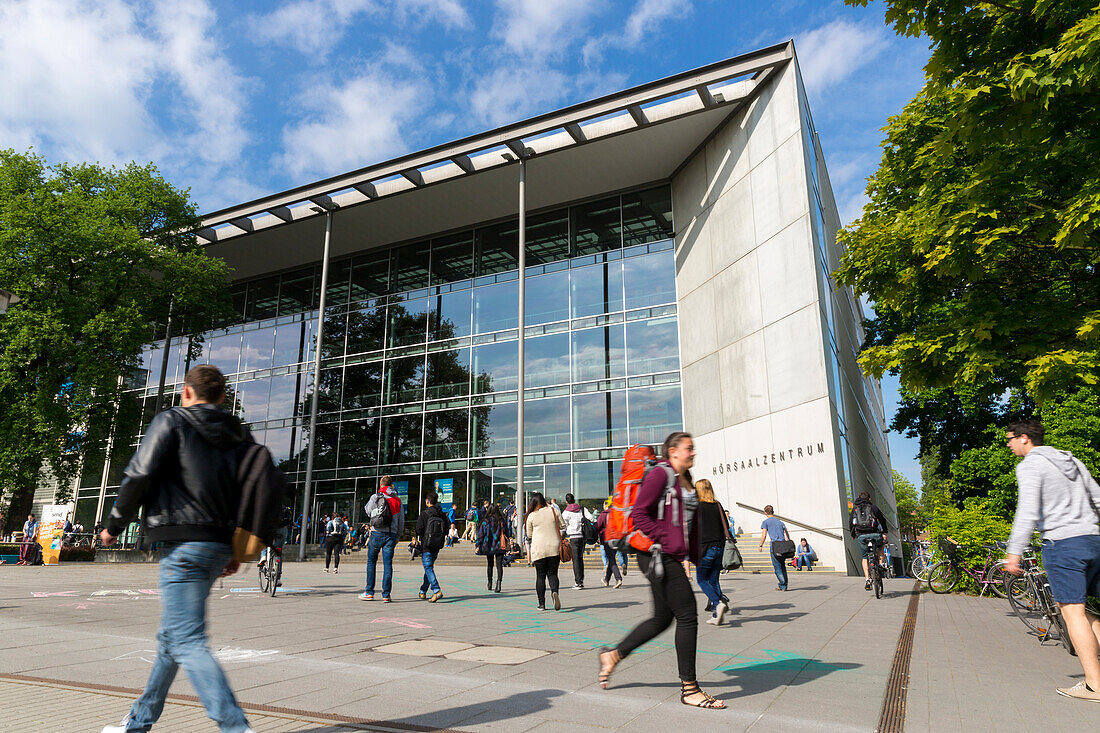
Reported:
(185, 475)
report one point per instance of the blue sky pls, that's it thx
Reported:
(238, 99)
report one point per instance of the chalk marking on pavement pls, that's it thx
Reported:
(281, 590)
(225, 654)
(64, 593)
(412, 623)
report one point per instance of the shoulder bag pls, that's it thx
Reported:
(731, 556)
(565, 552)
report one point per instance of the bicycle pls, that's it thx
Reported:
(946, 574)
(271, 570)
(1032, 601)
(924, 559)
(874, 567)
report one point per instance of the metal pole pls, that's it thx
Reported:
(521, 497)
(316, 389)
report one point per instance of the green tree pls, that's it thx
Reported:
(980, 243)
(97, 256)
(910, 510)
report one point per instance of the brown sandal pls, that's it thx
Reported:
(687, 689)
(605, 676)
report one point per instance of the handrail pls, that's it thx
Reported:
(792, 521)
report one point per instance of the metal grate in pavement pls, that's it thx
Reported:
(37, 703)
(892, 718)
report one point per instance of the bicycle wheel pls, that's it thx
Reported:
(997, 580)
(265, 580)
(876, 581)
(276, 573)
(1063, 633)
(942, 577)
(1025, 605)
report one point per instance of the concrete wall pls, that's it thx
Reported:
(755, 385)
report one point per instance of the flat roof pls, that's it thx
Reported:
(633, 137)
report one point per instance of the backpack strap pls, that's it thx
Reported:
(670, 486)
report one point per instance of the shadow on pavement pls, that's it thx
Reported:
(488, 711)
(761, 677)
(775, 618)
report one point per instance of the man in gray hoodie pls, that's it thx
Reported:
(1061, 499)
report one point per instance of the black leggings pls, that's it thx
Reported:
(672, 598)
(546, 567)
(577, 545)
(333, 543)
(612, 564)
(494, 560)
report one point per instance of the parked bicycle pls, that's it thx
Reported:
(947, 573)
(270, 568)
(924, 558)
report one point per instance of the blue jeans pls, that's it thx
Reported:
(187, 572)
(707, 573)
(620, 556)
(387, 543)
(804, 560)
(780, 566)
(427, 558)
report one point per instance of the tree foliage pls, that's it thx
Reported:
(97, 256)
(911, 514)
(980, 243)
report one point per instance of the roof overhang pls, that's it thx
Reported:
(626, 139)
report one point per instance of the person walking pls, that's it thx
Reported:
(386, 519)
(470, 532)
(185, 476)
(775, 530)
(713, 534)
(544, 528)
(494, 538)
(611, 567)
(665, 510)
(335, 532)
(431, 534)
(1059, 497)
(805, 557)
(573, 516)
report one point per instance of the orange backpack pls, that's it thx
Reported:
(620, 532)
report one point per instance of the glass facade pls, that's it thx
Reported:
(420, 361)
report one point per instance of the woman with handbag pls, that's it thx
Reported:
(666, 511)
(548, 547)
(713, 534)
(776, 531)
(494, 537)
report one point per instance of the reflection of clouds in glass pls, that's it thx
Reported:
(546, 425)
(495, 429)
(650, 280)
(591, 420)
(546, 298)
(253, 399)
(281, 403)
(546, 360)
(588, 289)
(223, 352)
(652, 346)
(256, 351)
(288, 343)
(496, 366)
(654, 413)
(592, 354)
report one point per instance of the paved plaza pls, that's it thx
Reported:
(76, 641)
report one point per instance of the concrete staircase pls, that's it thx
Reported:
(463, 555)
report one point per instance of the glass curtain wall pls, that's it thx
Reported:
(419, 361)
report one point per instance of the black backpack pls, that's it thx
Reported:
(864, 519)
(588, 531)
(435, 533)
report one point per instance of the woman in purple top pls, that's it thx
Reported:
(664, 510)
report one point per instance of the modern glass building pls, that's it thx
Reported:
(678, 243)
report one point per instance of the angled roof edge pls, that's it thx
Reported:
(567, 127)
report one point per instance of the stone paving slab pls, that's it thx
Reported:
(815, 657)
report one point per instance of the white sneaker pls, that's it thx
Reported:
(336, 571)
(577, 586)
(365, 597)
(713, 620)
(720, 613)
(618, 584)
(324, 570)
(120, 728)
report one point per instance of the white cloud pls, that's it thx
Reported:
(541, 27)
(112, 82)
(510, 93)
(352, 124)
(829, 54)
(315, 27)
(645, 19)
(75, 80)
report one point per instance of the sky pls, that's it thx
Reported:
(238, 99)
